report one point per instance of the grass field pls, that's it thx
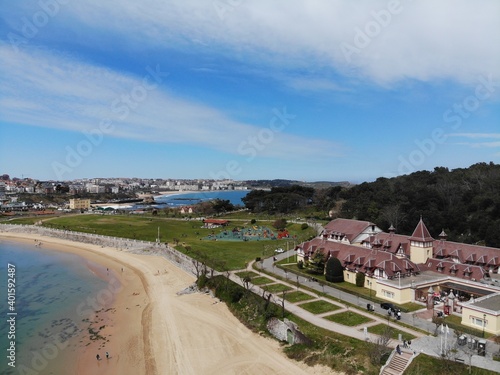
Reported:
(348, 318)
(298, 296)
(261, 280)
(244, 274)
(379, 329)
(276, 288)
(319, 307)
(425, 364)
(185, 235)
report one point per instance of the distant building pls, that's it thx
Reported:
(186, 210)
(215, 223)
(79, 204)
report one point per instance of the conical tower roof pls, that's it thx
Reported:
(421, 233)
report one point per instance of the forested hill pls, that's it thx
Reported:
(463, 202)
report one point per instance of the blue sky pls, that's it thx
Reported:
(306, 90)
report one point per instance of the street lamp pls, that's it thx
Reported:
(484, 323)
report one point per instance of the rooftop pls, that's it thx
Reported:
(490, 302)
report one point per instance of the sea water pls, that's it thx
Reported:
(50, 289)
(184, 199)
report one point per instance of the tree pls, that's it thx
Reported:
(316, 263)
(380, 348)
(334, 270)
(360, 279)
(280, 224)
(222, 205)
(246, 282)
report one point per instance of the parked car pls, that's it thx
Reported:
(279, 250)
(387, 306)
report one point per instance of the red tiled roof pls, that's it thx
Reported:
(350, 228)
(473, 272)
(357, 254)
(421, 233)
(390, 242)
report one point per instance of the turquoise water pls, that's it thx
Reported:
(233, 196)
(52, 290)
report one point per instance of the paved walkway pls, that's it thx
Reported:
(428, 344)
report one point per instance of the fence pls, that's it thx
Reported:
(129, 245)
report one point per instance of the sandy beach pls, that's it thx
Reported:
(148, 329)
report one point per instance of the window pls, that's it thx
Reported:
(388, 294)
(478, 321)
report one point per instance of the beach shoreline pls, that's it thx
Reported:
(164, 332)
(99, 315)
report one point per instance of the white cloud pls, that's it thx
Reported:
(476, 135)
(43, 89)
(423, 40)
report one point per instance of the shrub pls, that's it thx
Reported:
(334, 270)
(202, 281)
(253, 221)
(360, 279)
(304, 226)
(300, 264)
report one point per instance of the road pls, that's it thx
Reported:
(425, 343)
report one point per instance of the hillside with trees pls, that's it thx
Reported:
(465, 202)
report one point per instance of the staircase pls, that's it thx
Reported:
(397, 363)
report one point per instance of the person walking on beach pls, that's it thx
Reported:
(98, 357)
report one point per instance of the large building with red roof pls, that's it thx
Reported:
(404, 269)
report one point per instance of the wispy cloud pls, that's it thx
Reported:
(476, 135)
(48, 90)
(455, 45)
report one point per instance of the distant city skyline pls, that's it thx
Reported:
(298, 90)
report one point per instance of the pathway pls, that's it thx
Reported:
(428, 344)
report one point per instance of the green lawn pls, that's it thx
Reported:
(244, 274)
(298, 296)
(425, 364)
(380, 329)
(189, 233)
(276, 288)
(319, 307)
(260, 280)
(348, 318)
